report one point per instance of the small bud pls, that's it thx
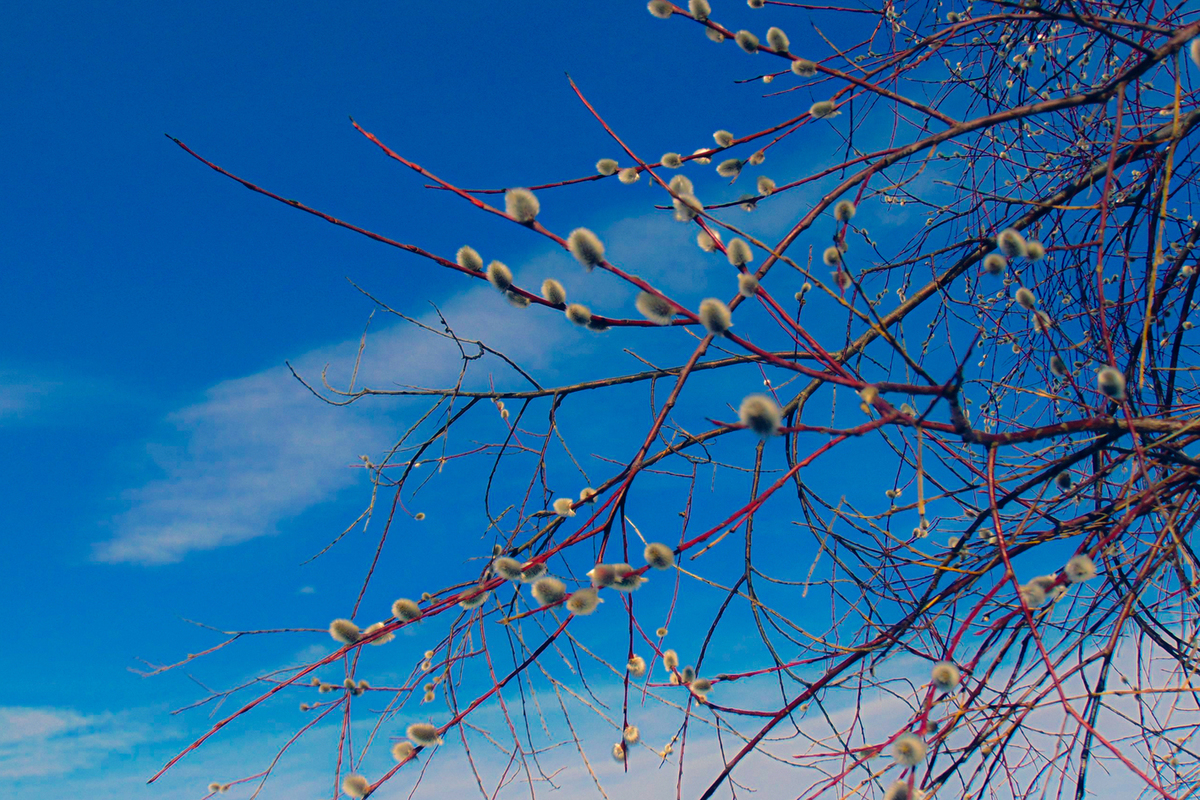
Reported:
(659, 556)
(356, 786)
(607, 166)
(738, 252)
(844, 211)
(406, 610)
(521, 205)
(654, 308)
(499, 275)
(424, 734)
(671, 160)
(715, 316)
(629, 175)
(823, 109)
(804, 68)
(562, 507)
(747, 284)
(760, 414)
(344, 631)
(583, 601)
(586, 247)
(549, 591)
(660, 8)
(469, 259)
(909, 750)
(420, 515)
(579, 314)
(765, 185)
(661, 632)
(723, 138)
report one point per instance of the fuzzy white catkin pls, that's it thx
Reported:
(1034, 251)
(898, 791)
(1111, 383)
(909, 749)
(406, 610)
(659, 556)
(618, 752)
(747, 41)
(632, 734)
(423, 733)
(654, 308)
(356, 786)
(471, 601)
(700, 9)
(579, 314)
(687, 207)
(756, 3)
(699, 159)
(804, 68)
(946, 676)
(681, 185)
(738, 252)
(583, 601)
(660, 8)
(554, 292)
(402, 750)
(586, 247)
(1194, 51)
(832, 256)
(671, 160)
(468, 258)
(994, 264)
(778, 40)
(344, 631)
(823, 109)
(1080, 568)
(548, 591)
(607, 166)
(747, 284)
(706, 242)
(636, 666)
(670, 659)
(499, 275)
(715, 316)
(629, 175)
(730, 167)
(1033, 595)
(507, 568)
(521, 205)
(533, 572)
(518, 301)
(562, 507)
(587, 495)
(1010, 242)
(761, 414)
(765, 185)
(1025, 298)
(844, 211)
(384, 639)
(723, 138)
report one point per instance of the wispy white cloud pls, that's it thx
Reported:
(41, 742)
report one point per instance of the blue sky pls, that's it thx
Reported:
(163, 464)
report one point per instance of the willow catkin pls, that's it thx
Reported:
(660, 8)
(579, 314)
(406, 610)
(738, 252)
(499, 275)
(804, 68)
(423, 733)
(1111, 383)
(765, 185)
(1010, 242)
(659, 556)
(356, 786)
(553, 292)
(607, 166)
(946, 676)
(1080, 568)
(761, 414)
(909, 749)
(778, 40)
(586, 247)
(823, 109)
(583, 601)
(747, 284)
(344, 631)
(521, 205)
(700, 9)
(629, 175)
(715, 316)
(468, 258)
(730, 167)
(654, 308)
(723, 138)
(549, 591)
(844, 211)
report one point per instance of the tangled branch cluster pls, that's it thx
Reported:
(945, 548)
